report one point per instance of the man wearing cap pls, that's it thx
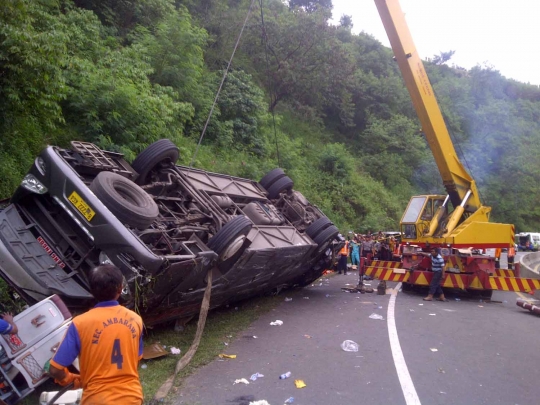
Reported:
(437, 266)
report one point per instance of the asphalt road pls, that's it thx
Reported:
(487, 353)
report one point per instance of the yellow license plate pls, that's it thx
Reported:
(82, 206)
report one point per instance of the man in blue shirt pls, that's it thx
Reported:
(437, 266)
(7, 326)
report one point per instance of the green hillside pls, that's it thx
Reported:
(327, 105)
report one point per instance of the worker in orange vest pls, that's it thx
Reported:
(511, 255)
(343, 255)
(498, 258)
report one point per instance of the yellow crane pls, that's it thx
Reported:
(457, 222)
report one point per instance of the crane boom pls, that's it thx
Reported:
(427, 221)
(456, 179)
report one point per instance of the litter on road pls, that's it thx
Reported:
(300, 383)
(241, 381)
(349, 346)
(261, 402)
(255, 376)
(227, 356)
(284, 376)
(289, 400)
(376, 316)
(287, 299)
(433, 314)
(276, 322)
(175, 350)
(434, 350)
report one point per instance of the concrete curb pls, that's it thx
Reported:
(530, 265)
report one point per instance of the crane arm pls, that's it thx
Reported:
(456, 179)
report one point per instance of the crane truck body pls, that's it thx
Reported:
(457, 222)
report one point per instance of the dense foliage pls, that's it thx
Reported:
(327, 105)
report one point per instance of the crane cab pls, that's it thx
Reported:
(417, 218)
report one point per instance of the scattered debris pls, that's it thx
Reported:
(144, 366)
(449, 310)
(153, 351)
(255, 376)
(376, 316)
(433, 314)
(306, 298)
(289, 400)
(379, 307)
(307, 336)
(442, 392)
(284, 376)
(441, 370)
(276, 322)
(420, 304)
(300, 383)
(287, 299)
(241, 381)
(349, 346)
(227, 356)
(480, 306)
(328, 295)
(225, 343)
(410, 309)
(261, 402)
(457, 299)
(434, 350)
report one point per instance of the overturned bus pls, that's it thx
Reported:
(164, 225)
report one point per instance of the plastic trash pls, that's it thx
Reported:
(175, 350)
(380, 307)
(349, 346)
(376, 316)
(276, 322)
(433, 349)
(255, 376)
(433, 314)
(227, 356)
(289, 400)
(261, 402)
(144, 366)
(306, 298)
(328, 295)
(241, 381)
(284, 376)
(457, 299)
(287, 299)
(300, 383)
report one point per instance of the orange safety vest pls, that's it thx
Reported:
(511, 251)
(498, 253)
(345, 249)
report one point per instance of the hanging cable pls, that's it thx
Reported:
(272, 86)
(221, 84)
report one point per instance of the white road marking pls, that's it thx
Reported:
(407, 386)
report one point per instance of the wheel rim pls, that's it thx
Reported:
(233, 247)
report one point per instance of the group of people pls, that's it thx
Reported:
(377, 247)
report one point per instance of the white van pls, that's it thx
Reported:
(528, 241)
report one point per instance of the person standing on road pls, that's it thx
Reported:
(108, 341)
(510, 257)
(355, 252)
(343, 255)
(437, 266)
(7, 326)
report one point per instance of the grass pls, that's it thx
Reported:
(222, 325)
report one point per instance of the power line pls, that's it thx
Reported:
(221, 84)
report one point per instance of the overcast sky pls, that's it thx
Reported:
(503, 34)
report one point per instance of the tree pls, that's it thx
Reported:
(311, 5)
(346, 21)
